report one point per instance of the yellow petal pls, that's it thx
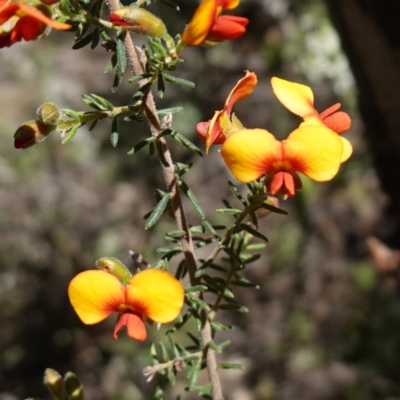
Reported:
(95, 295)
(201, 23)
(156, 294)
(347, 149)
(295, 97)
(249, 153)
(315, 151)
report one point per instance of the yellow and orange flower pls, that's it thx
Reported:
(211, 131)
(299, 99)
(314, 151)
(21, 21)
(152, 293)
(208, 25)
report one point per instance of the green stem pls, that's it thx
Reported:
(180, 46)
(229, 233)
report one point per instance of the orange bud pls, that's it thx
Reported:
(140, 21)
(30, 133)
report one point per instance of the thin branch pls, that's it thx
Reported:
(179, 213)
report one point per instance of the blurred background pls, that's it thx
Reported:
(325, 322)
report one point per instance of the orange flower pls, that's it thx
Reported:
(207, 25)
(313, 150)
(299, 100)
(20, 21)
(152, 293)
(211, 131)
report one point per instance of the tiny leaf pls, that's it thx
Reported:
(158, 211)
(255, 233)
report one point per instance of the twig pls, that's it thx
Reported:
(179, 213)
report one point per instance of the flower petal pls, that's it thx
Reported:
(134, 325)
(339, 122)
(249, 153)
(31, 28)
(295, 97)
(201, 23)
(315, 151)
(39, 16)
(95, 295)
(227, 27)
(347, 149)
(228, 4)
(202, 129)
(214, 131)
(242, 89)
(156, 294)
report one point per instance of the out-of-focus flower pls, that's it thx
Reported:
(152, 293)
(299, 99)
(21, 21)
(313, 150)
(207, 26)
(30, 133)
(222, 124)
(139, 20)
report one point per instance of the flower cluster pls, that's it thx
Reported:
(314, 149)
(151, 293)
(28, 21)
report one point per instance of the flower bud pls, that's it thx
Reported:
(140, 21)
(73, 386)
(114, 267)
(30, 133)
(48, 114)
(55, 383)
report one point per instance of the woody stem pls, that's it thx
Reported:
(176, 202)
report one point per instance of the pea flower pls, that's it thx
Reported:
(151, 293)
(299, 100)
(211, 131)
(207, 26)
(313, 150)
(21, 21)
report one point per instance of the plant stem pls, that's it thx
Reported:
(179, 213)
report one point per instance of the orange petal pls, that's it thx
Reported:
(35, 13)
(156, 294)
(214, 131)
(95, 295)
(201, 23)
(315, 151)
(296, 98)
(134, 326)
(339, 122)
(202, 129)
(249, 153)
(227, 27)
(329, 111)
(243, 89)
